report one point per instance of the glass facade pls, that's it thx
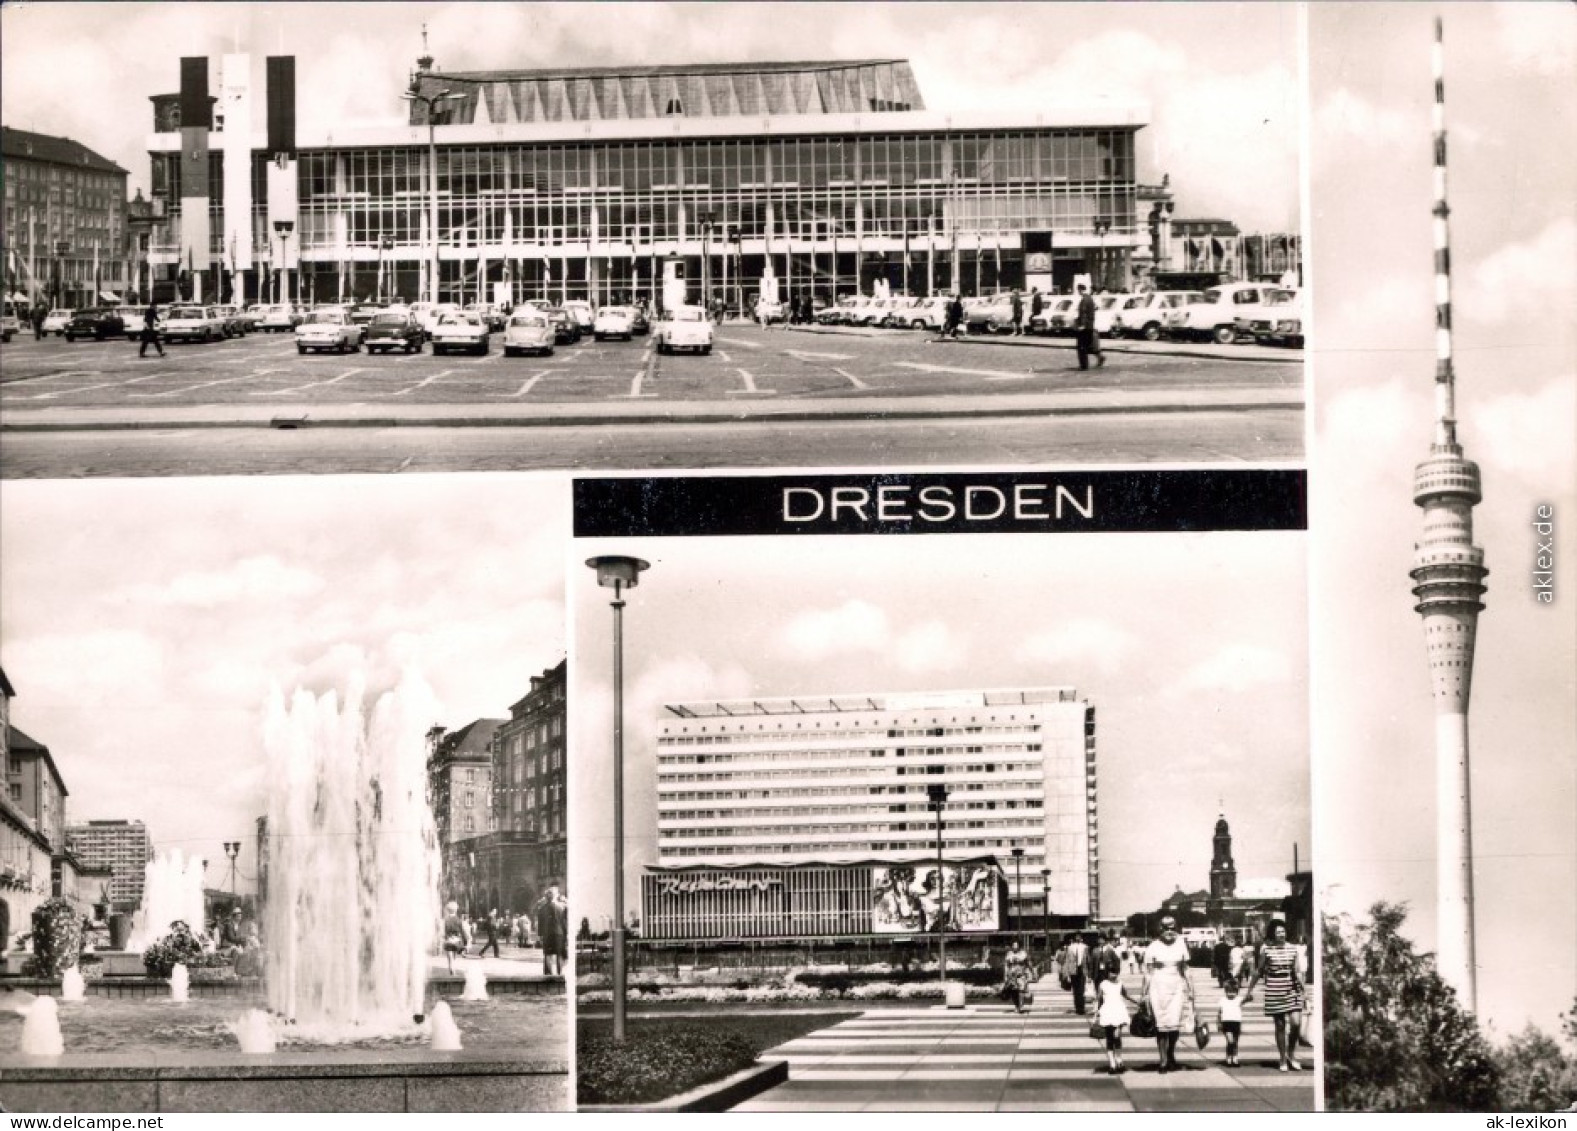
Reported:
(925, 211)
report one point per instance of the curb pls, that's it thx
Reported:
(721, 1096)
(1034, 341)
(304, 423)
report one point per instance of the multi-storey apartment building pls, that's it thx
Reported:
(65, 229)
(809, 178)
(818, 815)
(120, 845)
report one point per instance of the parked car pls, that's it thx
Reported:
(566, 331)
(187, 322)
(1144, 315)
(97, 323)
(838, 313)
(639, 323)
(491, 314)
(580, 310)
(328, 330)
(279, 318)
(56, 320)
(362, 315)
(1059, 317)
(768, 311)
(232, 319)
(1216, 313)
(1107, 308)
(253, 316)
(612, 322)
(460, 330)
(992, 315)
(529, 331)
(686, 328)
(430, 313)
(131, 317)
(11, 315)
(1280, 323)
(392, 330)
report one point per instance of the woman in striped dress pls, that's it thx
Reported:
(1278, 969)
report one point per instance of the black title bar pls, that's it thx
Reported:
(943, 503)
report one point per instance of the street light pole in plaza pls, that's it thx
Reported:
(1103, 225)
(1017, 902)
(61, 248)
(283, 228)
(232, 850)
(618, 573)
(707, 219)
(431, 101)
(385, 244)
(1045, 907)
(936, 800)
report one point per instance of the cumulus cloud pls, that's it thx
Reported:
(1080, 643)
(1519, 281)
(1235, 667)
(1363, 427)
(931, 646)
(854, 626)
(114, 665)
(1538, 37)
(256, 579)
(1343, 118)
(1513, 429)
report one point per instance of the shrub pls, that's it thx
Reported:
(179, 947)
(57, 938)
(653, 1064)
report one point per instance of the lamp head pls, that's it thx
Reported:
(1018, 853)
(617, 572)
(936, 794)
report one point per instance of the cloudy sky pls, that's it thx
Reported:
(1191, 647)
(144, 622)
(1509, 77)
(1221, 80)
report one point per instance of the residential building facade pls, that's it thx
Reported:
(65, 232)
(122, 846)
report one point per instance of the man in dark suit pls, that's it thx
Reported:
(1089, 342)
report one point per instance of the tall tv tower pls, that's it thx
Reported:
(1448, 574)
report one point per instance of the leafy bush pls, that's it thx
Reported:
(57, 938)
(179, 947)
(655, 1063)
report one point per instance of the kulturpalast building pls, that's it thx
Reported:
(814, 816)
(582, 182)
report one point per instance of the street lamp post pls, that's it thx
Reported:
(618, 573)
(706, 261)
(1103, 225)
(384, 245)
(1018, 892)
(431, 101)
(936, 800)
(61, 248)
(1045, 907)
(283, 228)
(232, 850)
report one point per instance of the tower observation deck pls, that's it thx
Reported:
(1448, 581)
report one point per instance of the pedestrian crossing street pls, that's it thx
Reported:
(987, 1058)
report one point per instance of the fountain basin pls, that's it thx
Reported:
(150, 1056)
(525, 985)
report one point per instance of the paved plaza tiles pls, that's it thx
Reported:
(987, 1058)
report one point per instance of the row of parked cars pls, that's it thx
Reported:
(1228, 313)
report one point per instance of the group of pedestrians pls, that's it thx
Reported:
(550, 916)
(1092, 966)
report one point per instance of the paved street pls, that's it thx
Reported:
(774, 397)
(987, 1058)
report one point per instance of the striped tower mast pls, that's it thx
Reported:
(1448, 574)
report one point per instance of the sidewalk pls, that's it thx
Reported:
(1205, 351)
(987, 1058)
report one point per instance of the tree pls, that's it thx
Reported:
(1535, 1075)
(1396, 1037)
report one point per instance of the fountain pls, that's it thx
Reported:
(475, 983)
(255, 1030)
(180, 983)
(72, 985)
(446, 1034)
(353, 902)
(172, 890)
(41, 1029)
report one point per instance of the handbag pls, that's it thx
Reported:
(1097, 1031)
(1202, 1034)
(1028, 996)
(1143, 1024)
(1064, 981)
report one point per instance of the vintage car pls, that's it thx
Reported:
(1145, 315)
(233, 319)
(391, 330)
(326, 331)
(460, 330)
(580, 310)
(529, 331)
(55, 321)
(279, 318)
(566, 330)
(188, 322)
(1215, 315)
(1280, 323)
(613, 322)
(97, 323)
(685, 328)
